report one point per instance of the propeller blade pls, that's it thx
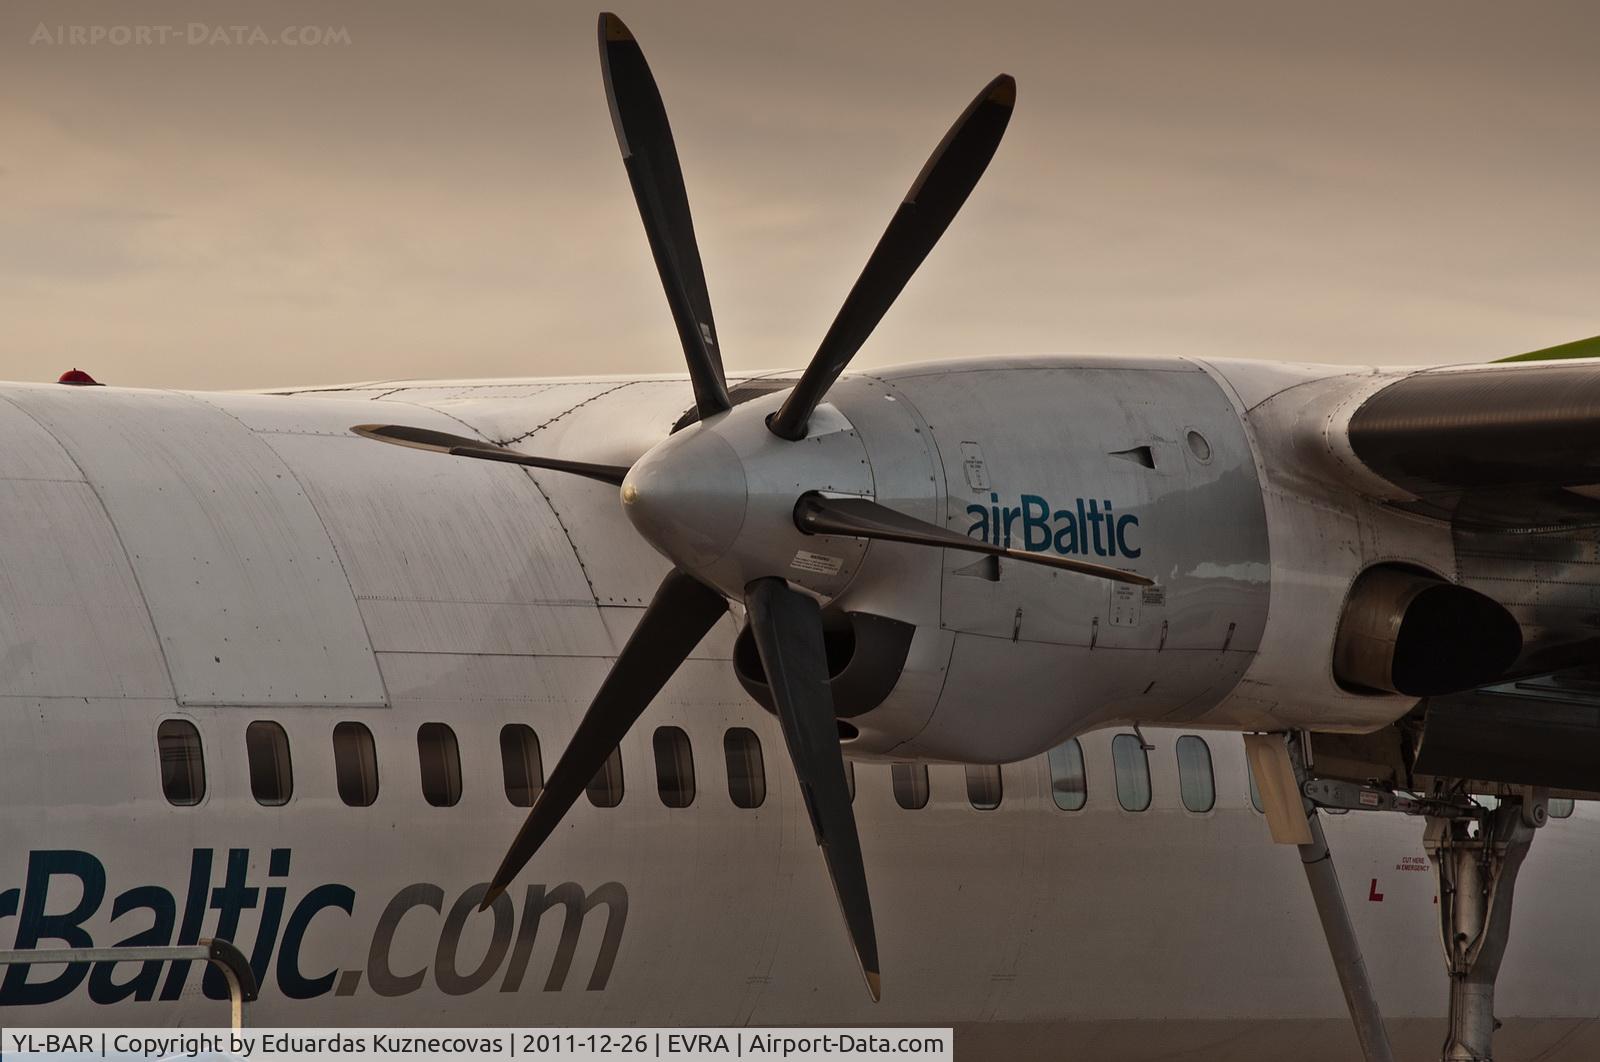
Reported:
(460, 446)
(788, 632)
(943, 185)
(680, 614)
(860, 518)
(645, 138)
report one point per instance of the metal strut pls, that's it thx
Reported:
(1475, 861)
(1343, 945)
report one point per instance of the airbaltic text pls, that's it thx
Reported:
(1089, 526)
(214, 903)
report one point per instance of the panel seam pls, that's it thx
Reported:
(127, 558)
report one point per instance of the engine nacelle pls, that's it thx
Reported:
(1407, 631)
(866, 655)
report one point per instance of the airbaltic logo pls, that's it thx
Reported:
(281, 929)
(1089, 527)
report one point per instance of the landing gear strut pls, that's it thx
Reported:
(1476, 851)
(1475, 861)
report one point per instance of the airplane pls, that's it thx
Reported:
(986, 632)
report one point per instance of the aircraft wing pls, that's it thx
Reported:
(1495, 446)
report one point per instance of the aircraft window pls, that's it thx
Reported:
(1255, 792)
(1069, 785)
(1132, 768)
(605, 788)
(266, 747)
(983, 786)
(910, 785)
(747, 772)
(1561, 807)
(355, 764)
(440, 758)
(1196, 783)
(521, 764)
(674, 767)
(183, 762)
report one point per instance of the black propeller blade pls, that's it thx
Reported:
(460, 446)
(946, 180)
(860, 518)
(648, 152)
(788, 633)
(680, 614)
(787, 624)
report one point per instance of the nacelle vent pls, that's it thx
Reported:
(866, 655)
(1409, 632)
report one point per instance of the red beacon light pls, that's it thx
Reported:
(79, 378)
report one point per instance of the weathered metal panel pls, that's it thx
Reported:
(241, 580)
(30, 452)
(1550, 581)
(72, 622)
(506, 420)
(1078, 439)
(446, 555)
(414, 526)
(613, 427)
(1144, 467)
(474, 627)
(716, 645)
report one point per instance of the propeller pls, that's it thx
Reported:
(459, 446)
(787, 625)
(940, 189)
(651, 160)
(718, 497)
(680, 614)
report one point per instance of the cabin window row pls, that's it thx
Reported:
(183, 769)
(183, 773)
(1069, 780)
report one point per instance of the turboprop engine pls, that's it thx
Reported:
(740, 500)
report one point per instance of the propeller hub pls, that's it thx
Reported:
(687, 497)
(718, 499)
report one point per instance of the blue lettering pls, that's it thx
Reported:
(1090, 526)
(291, 981)
(194, 912)
(164, 911)
(1123, 523)
(1066, 541)
(230, 901)
(1011, 516)
(1095, 516)
(271, 916)
(982, 526)
(35, 925)
(1032, 523)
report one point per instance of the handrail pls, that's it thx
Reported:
(222, 954)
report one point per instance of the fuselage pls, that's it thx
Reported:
(188, 565)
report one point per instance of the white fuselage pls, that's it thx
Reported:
(229, 559)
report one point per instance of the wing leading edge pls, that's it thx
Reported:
(1513, 446)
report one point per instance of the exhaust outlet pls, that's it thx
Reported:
(1409, 632)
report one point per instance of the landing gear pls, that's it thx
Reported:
(1476, 847)
(1476, 861)
(1343, 946)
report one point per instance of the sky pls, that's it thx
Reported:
(435, 190)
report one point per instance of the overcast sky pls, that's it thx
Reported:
(438, 193)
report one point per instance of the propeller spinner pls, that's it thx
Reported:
(717, 498)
